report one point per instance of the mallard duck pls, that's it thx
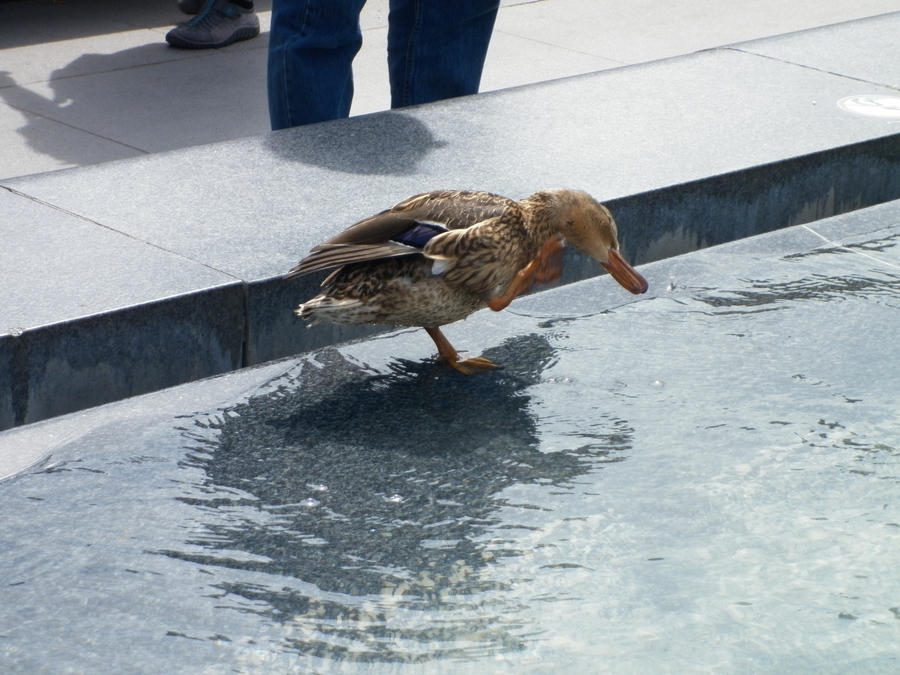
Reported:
(439, 256)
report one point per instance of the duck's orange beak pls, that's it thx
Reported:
(624, 273)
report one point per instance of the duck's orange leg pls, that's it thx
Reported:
(447, 353)
(544, 268)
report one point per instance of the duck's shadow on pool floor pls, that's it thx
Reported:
(355, 480)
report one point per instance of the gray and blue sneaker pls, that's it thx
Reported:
(217, 24)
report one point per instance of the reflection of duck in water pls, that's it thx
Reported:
(400, 523)
(439, 256)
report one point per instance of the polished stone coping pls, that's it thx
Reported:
(133, 275)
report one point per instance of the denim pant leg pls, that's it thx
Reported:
(311, 48)
(436, 48)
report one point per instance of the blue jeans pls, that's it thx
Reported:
(436, 49)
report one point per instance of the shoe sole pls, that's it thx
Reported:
(237, 36)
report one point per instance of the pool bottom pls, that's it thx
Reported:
(703, 478)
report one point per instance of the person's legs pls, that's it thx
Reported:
(311, 48)
(436, 49)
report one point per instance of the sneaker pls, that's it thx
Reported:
(219, 23)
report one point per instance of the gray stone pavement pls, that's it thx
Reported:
(87, 81)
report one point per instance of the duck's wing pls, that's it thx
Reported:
(454, 209)
(484, 257)
(403, 229)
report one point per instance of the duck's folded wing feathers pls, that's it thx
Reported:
(403, 229)
(455, 209)
(451, 209)
(330, 256)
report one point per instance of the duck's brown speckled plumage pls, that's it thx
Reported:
(489, 240)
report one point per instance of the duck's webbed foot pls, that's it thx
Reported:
(447, 353)
(545, 267)
(473, 365)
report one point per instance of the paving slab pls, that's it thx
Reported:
(716, 458)
(647, 30)
(114, 102)
(86, 56)
(24, 153)
(44, 43)
(836, 49)
(82, 319)
(515, 60)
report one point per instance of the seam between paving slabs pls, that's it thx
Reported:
(806, 66)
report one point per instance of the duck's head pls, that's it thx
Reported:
(590, 227)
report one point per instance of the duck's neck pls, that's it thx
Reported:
(547, 209)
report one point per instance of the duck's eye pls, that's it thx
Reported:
(570, 223)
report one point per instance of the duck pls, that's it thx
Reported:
(437, 257)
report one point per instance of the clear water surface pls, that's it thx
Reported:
(706, 479)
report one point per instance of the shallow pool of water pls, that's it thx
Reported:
(703, 479)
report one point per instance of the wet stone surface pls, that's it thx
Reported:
(706, 476)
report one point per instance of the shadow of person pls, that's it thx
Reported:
(149, 98)
(375, 496)
(385, 143)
